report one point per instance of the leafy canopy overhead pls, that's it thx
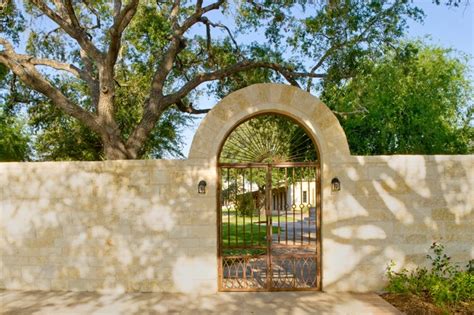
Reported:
(105, 77)
(119, 68)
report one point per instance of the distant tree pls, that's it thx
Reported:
(414, 99)
(13, 139)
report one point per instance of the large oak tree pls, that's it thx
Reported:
(118, 68)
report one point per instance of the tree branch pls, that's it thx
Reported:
(194, 18)
(208, 24)
(105, 103)
(188, 108)
(74, 70)
(238, 67)
(357, 38)
(121, 21)
(198, 5)
(158, 103)
(117, 7)
(29, 75)
(174, 14)
(57, 65)
(93, 84)
(94, 11)
(8, 47)
(72, 15)
(176, 46)
(54, 30)
(73, 30)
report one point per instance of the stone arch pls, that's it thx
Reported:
(287, 100)
(307, 110)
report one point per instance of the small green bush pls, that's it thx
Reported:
(445, 283)
(245, 204)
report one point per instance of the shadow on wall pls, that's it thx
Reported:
(394, 208)
(141, 226)
(125, 225)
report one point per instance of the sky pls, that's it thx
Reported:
(447, 27)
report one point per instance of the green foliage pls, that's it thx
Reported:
(60, 137)
(245, 204)
(11, 20)
(13, 139)
(414, 100)
(304, 36)
(444, 283)
(3, 72)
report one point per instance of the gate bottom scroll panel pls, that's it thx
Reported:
(287, 272)
(294, 272)
(244, 272)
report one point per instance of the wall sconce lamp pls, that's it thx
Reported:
(335, 184)
(202, 187)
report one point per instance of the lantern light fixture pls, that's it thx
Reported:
(335, 184)
(202, 187)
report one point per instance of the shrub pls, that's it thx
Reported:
(245, 204)
(444, 283)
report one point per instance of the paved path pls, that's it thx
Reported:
(285, 303)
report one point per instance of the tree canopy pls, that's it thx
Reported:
(118, 79)
(414, 99)
(118, 71)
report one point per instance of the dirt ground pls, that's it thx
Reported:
(414, 305)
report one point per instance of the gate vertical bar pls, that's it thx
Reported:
(243, 210)
(318, 227)
(235, 209)
(220, 269)
(286, 205)
(293, 206)
(228, 207)
(253, 206)
(301, 202)
(268, 215)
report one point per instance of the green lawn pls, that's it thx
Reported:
(255, 235)
(244, 234)
(249, 234)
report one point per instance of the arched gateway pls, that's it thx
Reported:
(273, 147)
(269, 207)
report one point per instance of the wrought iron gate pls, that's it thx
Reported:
(269, 226)
(269, 207)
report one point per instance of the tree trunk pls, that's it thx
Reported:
(114, 146)
(112, 151)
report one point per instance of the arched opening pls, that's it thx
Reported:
(269, 206)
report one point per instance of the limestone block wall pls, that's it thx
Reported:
(393, 208)
(91, 226)
(141, 226)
